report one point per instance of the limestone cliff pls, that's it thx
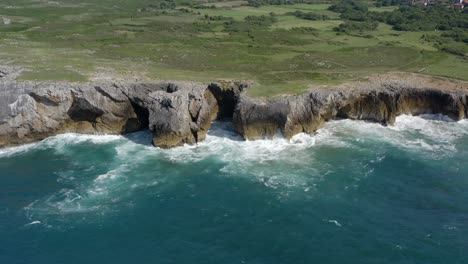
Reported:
(30, 112)
(375, 101)
(176, 112)
(180, 113)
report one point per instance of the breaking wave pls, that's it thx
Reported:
(280, 164)
(429, 135)
(60, 142)
(6, 152)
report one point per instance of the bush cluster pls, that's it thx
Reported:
(353, 26)
(250, 23)
(257, 3)
(405, 18)
(308, 16)
(167, 4)
(379, 3)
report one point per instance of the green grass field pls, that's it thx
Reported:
(82, 40)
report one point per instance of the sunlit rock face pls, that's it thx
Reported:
(176, 113)
(381, 102)
(179, 113)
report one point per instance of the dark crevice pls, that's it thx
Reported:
(195, 117)
(106, 94)
(43, 99)
(195, 135)
(172, 88)
(82, 110)
(227, 99)
(167, 103)
(142, 114)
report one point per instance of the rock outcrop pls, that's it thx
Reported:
(30, 112)
(227, 95)
(180, 113)
(381, 102)
(176, 112)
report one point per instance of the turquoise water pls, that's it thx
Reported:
(354, 193)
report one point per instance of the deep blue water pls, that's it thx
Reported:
(354, 193)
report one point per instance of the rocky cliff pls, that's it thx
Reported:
(180, 113)
(176, 112)
(375, 101)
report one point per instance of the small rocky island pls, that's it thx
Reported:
(181, 113)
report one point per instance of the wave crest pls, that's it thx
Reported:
(280, 164)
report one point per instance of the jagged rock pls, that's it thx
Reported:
(381, 102)
(227, 95)
(30, 112)
(176, 113)
(180, 113)
(10, 73)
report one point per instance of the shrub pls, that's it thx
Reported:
(351, 26)
(457, 35)
(308, 16)
(455, 50)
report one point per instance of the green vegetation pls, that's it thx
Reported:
(309, 15)
(284, 46)
(457, 35)
(380, 3)
(250, 23)
(257, 3)
(405, 18)
(362, 27)
(428, 18)
(53, 75)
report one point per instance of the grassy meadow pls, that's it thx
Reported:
(88, 39)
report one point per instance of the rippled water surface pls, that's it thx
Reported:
(355, 192)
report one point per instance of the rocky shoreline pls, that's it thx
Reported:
(181, 113)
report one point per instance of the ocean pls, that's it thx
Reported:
(355, 192)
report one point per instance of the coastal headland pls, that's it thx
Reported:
(181, 112)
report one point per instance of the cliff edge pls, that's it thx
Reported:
(179, 113)
(379, 99)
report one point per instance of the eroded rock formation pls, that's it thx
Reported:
(380, 102)
(176, 112)
(180, 113)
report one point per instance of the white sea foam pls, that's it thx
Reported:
(78, 138)
(97, 196)
(6, 152)
(430, 134)
(223, 143)
(463, 122)
(110, 175)
(60, 142)
(229, 147)
(33, 223)
(335, 222)
(279, 163)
